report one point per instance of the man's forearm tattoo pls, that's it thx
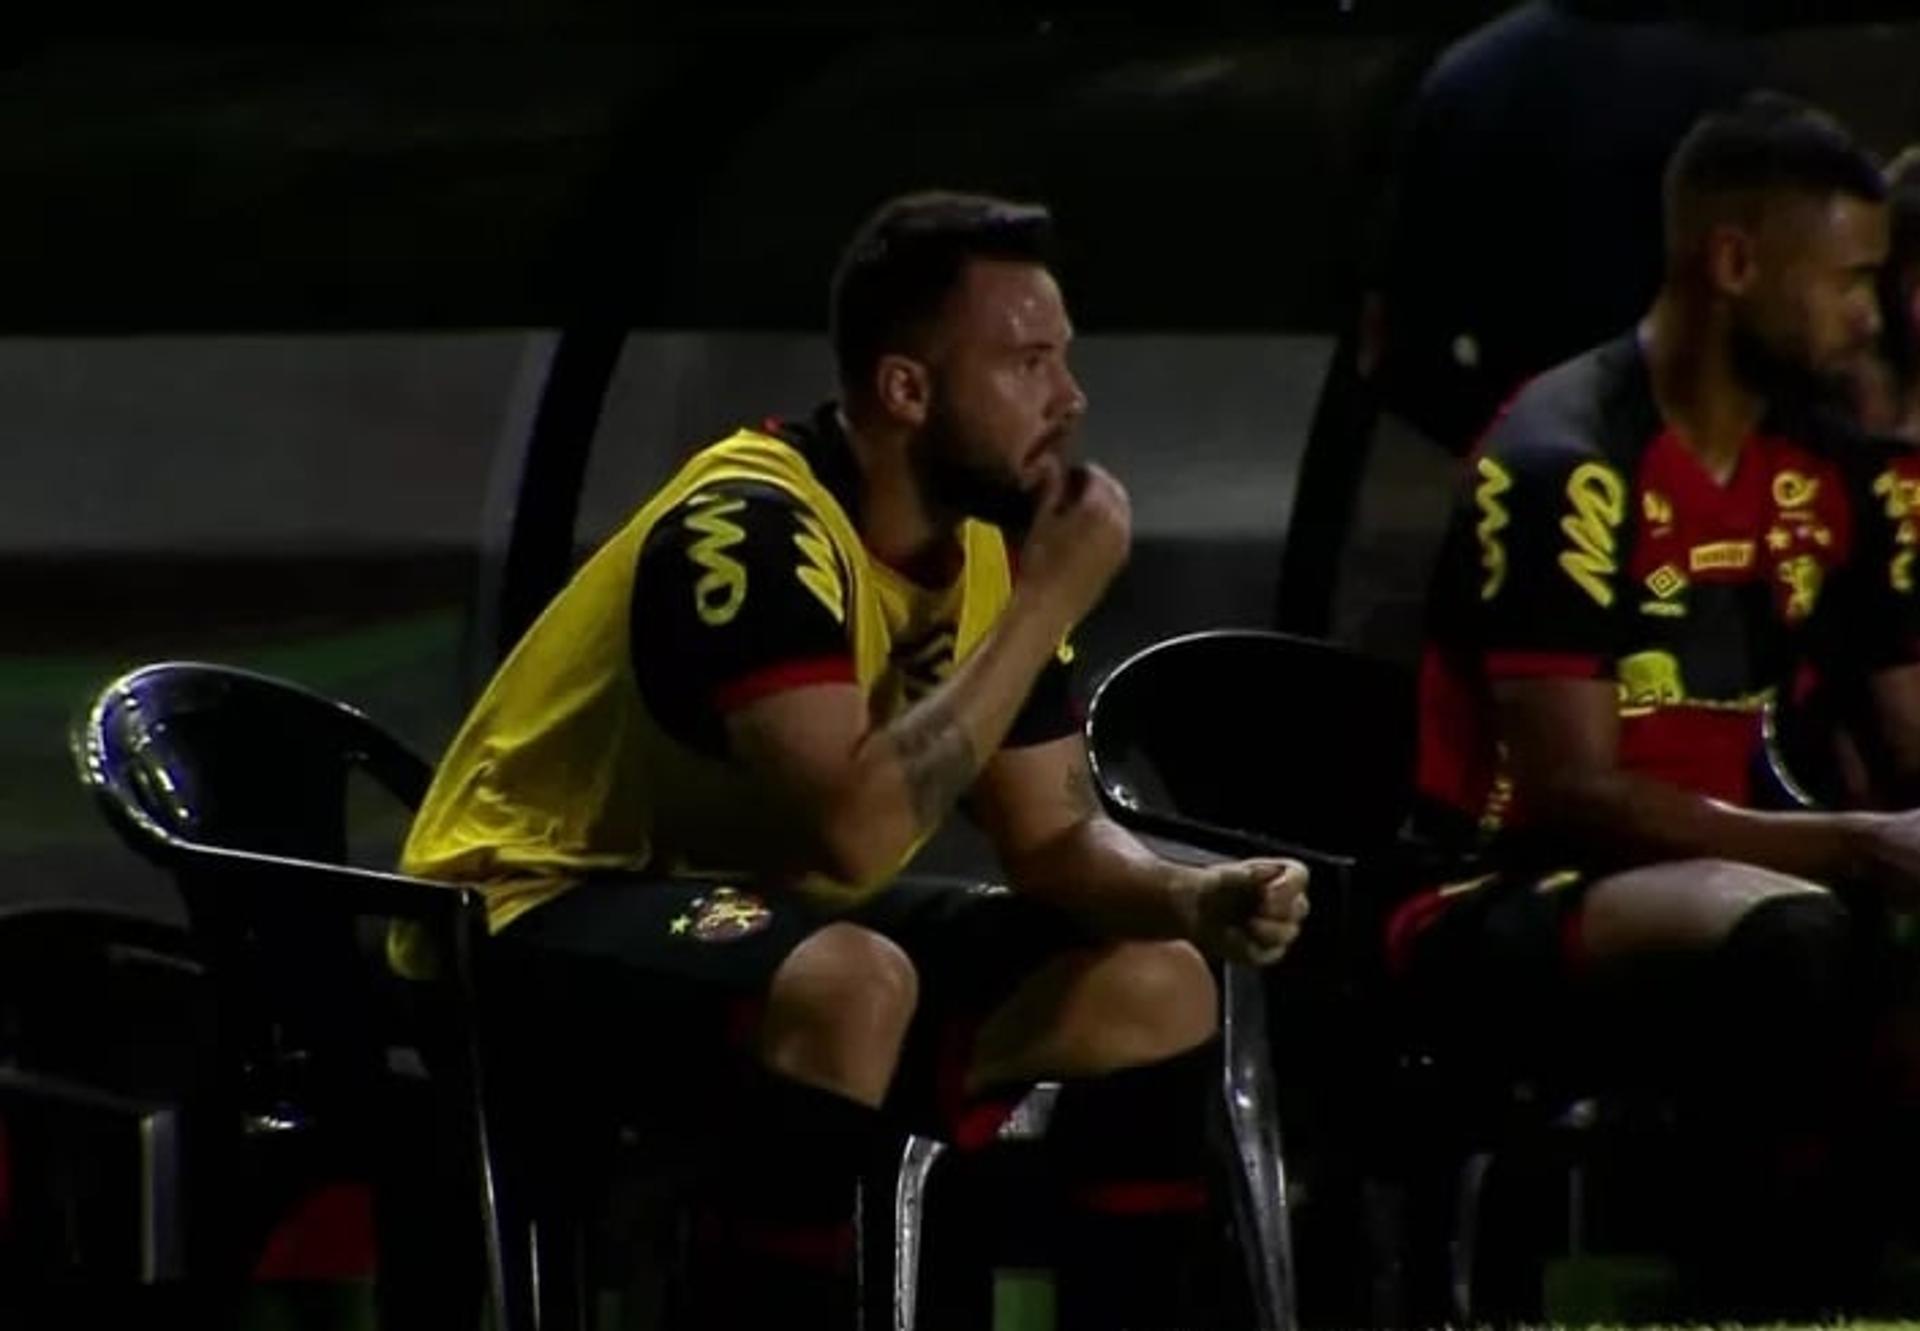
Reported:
(938, 757)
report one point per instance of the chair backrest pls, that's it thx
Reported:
(186, 754)
(237, 783)
(1285, 738)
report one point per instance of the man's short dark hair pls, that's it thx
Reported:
(1769, 144)
(903, 263)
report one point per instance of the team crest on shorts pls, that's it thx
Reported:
(722, 915)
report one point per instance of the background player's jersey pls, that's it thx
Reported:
(1591, 544)
(599, 745)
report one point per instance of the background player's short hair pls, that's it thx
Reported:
(903, 262)
(1767, 145)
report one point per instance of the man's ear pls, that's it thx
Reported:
(903, 389)
(1733, 263)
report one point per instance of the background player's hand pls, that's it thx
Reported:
(1250, 910)
(1893, 854)
(1082, 527)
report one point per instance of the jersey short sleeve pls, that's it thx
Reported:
(1543, 528)
(1873, 620)
(738, 594)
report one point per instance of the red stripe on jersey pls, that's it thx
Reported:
(1707, 750)
(1543, 665)
(778, 679)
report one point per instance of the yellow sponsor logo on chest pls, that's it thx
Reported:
(1733, 555)
(1651, 679)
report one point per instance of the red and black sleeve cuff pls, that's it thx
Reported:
(769, 680)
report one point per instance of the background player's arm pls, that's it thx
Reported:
(1038, 804)
(861, 796)
(1562, 739)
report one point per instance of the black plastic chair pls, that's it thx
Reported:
(1254, 742)
(1244, 741)
(238, 785)
(1189, 741)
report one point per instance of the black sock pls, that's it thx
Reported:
(1779, 1042)
(1139, 1235)
(774, 1240)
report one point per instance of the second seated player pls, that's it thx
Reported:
(1658, 541)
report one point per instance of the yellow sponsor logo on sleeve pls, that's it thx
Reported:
(820, 573)
(1599, 502)
(1495, 481)
(1901, 495)
(722, 587)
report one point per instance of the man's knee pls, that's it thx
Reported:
(1164, 994)
(845, 976)
(1794, 946)
(1687, 905)
(838, 1009)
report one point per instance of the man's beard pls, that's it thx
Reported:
(956, 478)
(1786, 379)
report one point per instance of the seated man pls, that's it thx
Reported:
(1657, 541)
(693, 787)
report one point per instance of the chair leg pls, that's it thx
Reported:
(556, 1263)
(162, 1238)
(1464, 1249)
(917, 1160)
(1258, 1174)
(508, 1275)
(501, 1213)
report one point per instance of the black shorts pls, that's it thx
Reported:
(631, 974)
(1491, 970)
(1496, 968)
(1519, 923)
